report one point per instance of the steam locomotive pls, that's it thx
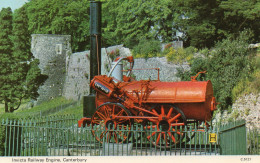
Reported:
(163, 108)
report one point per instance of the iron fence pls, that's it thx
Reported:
(60, 136)
(230, 135)
(236, 139)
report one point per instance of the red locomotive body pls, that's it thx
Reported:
(163, 106)
(194, 98)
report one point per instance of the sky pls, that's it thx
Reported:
(14, 4)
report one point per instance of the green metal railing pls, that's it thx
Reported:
(236, 139)
(60, 136)
(233, 138)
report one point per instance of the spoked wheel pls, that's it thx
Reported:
(166, 131)
(107, 127)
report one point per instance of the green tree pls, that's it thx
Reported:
(205, 22)
(21, 36)
(21, 75)
(26, 67)
(34, 79)
(239, 15)
(139, 19)
(198, 21)
(66, 17)
(5, 55)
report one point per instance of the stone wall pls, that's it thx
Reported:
(51, 50)
(77, 71)
(246, 107)
(77, 76)
(167, 72)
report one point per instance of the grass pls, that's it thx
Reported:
(24, 112)
(77, 111)
(24, 105)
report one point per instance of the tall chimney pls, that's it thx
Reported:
(95, 40)
(89, 104)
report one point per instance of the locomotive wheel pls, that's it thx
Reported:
(166, 131)
(106, 127)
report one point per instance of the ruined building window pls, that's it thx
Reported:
(58, 48)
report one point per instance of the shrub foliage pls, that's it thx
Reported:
(226, 66)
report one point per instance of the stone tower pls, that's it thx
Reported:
(52, 51)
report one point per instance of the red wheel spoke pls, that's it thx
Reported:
(172, 137)
(106, 110)
(120, 113)
(175, 117)
(170, 112)
(115, 137)
(124, 136)
(102, 134)
(153, 120)
(165, 138)
(109, 135)
(162, 111)
(148, 137)
(113, 112)
(120, 121)
(154, 111)
(158, 138)
(101, 115)
(178, 132)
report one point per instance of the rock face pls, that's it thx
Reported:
(77, 76)
(167, 72)
(246, 107)
(77, 71)
(51, 50)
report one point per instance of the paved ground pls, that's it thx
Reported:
(129, 150)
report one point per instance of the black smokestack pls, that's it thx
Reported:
(89, 105)
(95, 40)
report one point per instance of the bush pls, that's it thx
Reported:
(226, 65)
(179, 55)
(147, 49)
(2, 140)
(248, 84)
